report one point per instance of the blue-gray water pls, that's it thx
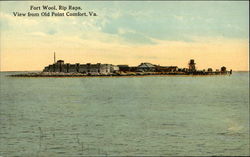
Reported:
(124, 116)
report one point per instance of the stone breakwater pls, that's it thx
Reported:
(60, 74)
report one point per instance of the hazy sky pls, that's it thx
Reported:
(163, 32)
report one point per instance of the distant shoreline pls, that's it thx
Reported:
(78, 75)
(40, 71)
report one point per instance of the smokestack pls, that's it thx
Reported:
(54, 57)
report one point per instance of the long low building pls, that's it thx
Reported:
(60, 66)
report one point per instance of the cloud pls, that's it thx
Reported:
(133, 37)
(136, 38)
(12, 20)
(40, 34)
(51, 32)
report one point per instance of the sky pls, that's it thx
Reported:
(214, 34)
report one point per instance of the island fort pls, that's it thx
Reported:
(61, 69)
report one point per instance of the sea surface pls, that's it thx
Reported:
(155, 115)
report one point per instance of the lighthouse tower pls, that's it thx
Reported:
(191, 65)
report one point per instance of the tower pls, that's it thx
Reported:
(191, 65)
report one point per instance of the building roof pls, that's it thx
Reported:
(122, 65)
(146, 65)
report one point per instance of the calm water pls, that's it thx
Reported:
(124, 116)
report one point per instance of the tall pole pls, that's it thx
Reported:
(54, 57)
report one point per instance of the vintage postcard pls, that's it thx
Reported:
(124, 78)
